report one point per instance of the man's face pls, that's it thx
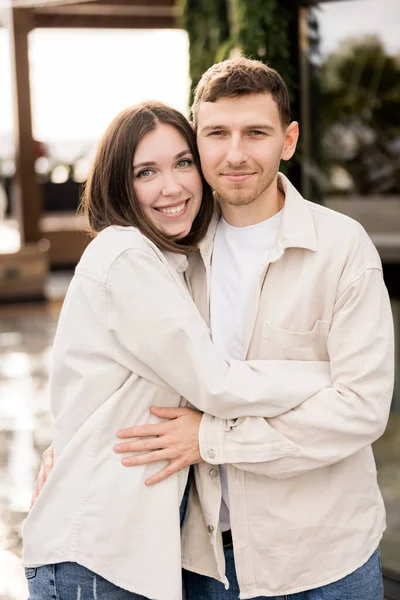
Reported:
(241, 143)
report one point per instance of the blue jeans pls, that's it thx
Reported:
(70, 581)
(364, 584)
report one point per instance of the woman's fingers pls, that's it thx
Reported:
(45, 469)
(39, 483)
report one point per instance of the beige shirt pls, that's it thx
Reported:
(307, 519)
(129, 337)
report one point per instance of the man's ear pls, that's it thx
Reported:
(291, 137)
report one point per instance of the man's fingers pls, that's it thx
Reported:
(150, 457)
(165, 412)
(156, 443)
(167, 471)
(154, 430)
(142, 431)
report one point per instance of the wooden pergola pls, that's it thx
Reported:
(23, 274)
(21, 17)
(24, 16)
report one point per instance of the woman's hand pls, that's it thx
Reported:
(45, 469)
(176, 440)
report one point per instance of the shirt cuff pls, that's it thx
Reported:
(220, 444)
(211, 440)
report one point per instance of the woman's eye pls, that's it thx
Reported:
(144, 174)
(185, 162)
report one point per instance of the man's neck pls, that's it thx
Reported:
(268, 204)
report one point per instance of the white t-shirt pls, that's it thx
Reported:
(239, 256)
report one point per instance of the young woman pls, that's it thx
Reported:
(129, 337)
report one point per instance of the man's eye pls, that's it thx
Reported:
(144, 174)
(185, 162)
(216, 133)
(256, 132)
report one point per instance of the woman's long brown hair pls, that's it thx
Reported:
(109, 197)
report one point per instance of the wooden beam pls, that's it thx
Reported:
(55, 3)
(26, 192)
(33, 3)
(117, 10)
(104, 21)
(135, 2)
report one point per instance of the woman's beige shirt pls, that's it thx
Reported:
(129, 337)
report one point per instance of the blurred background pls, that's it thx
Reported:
(66, 69)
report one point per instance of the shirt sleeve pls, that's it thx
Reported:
(337, 421)
(156, 331)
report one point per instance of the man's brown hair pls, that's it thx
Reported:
(109, 197)
(238, 77)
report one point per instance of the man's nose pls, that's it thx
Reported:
(236, 155)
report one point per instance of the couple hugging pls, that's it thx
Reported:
(217, 319)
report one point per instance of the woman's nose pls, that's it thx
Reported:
(171, 187)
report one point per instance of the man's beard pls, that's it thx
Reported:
(240, 196)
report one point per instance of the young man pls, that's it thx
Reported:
(280, 278)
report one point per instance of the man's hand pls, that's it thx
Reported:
(176, 440)
(45, 468)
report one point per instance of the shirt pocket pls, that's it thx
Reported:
(283, 344)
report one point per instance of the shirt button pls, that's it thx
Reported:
(210, 528)
(180, 473)
(211, 453)
(213, 473)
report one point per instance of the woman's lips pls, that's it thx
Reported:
(173, 212)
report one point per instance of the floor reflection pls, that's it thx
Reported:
(387, 455)
(26, 335)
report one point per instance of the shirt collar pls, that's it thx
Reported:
(178, 261)
(297, 229)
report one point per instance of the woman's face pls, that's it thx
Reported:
(166, 181)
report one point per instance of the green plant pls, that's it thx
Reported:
(206, 22)
(258, 29)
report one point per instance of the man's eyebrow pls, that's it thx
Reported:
(151, 163)
(212, 127)
(264, 126)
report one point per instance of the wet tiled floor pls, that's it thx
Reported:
(26, 334)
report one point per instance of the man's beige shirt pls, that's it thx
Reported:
(309, 518)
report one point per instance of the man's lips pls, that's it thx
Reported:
(238, 176)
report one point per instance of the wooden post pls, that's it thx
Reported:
(27, 194)
(305, 116)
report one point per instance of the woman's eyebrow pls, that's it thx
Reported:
(151, 163)
(187, 151)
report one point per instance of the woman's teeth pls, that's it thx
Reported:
(173, 209)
